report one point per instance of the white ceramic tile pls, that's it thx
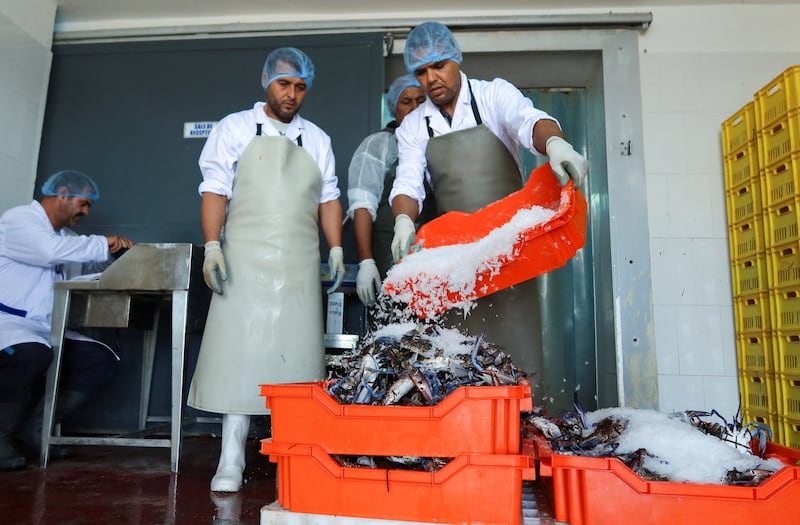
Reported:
(703, 144)
(719, 209)
(728, 341)
(671, 270)
(664, 143)
(690, 206)
(722, 395)
(700, 349)
(657, 205)
(712, 272)
(680, 392)
(666, 339)
(651, 84)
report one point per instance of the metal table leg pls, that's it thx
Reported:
(180, 302)
(61, 299)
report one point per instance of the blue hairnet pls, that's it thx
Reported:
(430, 42)
(77, 184)
(396, 89)
(287, 62)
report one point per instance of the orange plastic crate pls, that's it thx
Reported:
(603, 491)
(481, 419)
(472, 488)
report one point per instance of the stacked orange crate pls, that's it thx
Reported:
(749, 271)
(777, 114)
(478, 428)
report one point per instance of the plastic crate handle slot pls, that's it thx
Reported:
(790, 295)
(783, 210)
(793, 338)
(754, 340)
(776, 129)
(780, 169)
(745, 227)
(774, 89)
(756, 379)
(748, 264)
(787, 251)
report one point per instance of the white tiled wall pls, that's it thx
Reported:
(698, 67)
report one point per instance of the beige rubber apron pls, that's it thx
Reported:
(267, 327)
(469, 169)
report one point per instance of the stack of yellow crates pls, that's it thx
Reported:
(761, 147)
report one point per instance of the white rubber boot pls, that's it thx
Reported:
(231, 458)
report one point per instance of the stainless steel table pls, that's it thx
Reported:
(128, 293)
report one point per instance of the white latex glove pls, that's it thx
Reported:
(368, 281)
(565, 161)
(404, 235)
(214, 270)
(336, 267)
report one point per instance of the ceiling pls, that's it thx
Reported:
(94, 15)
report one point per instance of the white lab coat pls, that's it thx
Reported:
(32, 257)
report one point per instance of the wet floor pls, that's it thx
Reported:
(134, 485)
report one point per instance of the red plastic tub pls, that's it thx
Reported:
(481, 489)
(479, 419)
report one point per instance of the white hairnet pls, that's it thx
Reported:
(287, 62)
(396, 89)
(430, 42)
(71, 183)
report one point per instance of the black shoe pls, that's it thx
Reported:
(10, 459)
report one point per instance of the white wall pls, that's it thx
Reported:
(26, 34)
(699, 65)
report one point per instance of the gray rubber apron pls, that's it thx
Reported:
(267, 327)
(383, 227)
(469, 169)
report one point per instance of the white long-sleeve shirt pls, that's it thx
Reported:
(503, 109)
(229, 138)
(32, 257)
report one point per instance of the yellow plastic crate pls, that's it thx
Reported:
(790, 432)
(753, 314)
(778, 97)
(790, 396)
(787, 352)
(785, 309)
(750, 276)
(781, 221)
(741, 166)
(754, 353)
(784, 266)
(781, 180)
(745, 202)
(747, 238)
(779, 140)
(758, 392)
(739, 129)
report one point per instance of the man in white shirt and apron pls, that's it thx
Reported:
(268, 184)
(464, 139)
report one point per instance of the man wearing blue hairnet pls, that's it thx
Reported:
(370, 178)
(465, 140)
(38, 248)
(268, 184)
